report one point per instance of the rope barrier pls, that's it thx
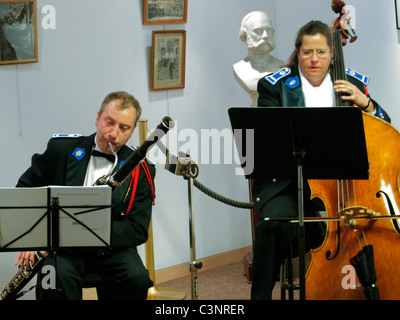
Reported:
(216, 196)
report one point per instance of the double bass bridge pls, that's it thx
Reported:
(350, 215)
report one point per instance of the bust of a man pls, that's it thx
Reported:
(257, 32)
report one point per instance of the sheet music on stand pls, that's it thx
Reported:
(55, 217)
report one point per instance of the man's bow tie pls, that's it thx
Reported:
(109, 157)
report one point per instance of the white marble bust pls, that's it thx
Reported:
(257, 32)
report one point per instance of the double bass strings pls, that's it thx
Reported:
(347, 199)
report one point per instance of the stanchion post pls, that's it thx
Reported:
(193, 264)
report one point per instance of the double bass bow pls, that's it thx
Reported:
(360, 254)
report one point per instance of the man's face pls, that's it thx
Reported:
(260, 34)
(314, 58)
(114, 126)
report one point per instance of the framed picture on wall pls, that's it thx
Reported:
(164, 11)
(18, 32)
(168, 52)
(397, 8)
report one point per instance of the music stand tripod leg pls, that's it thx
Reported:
(301, 230)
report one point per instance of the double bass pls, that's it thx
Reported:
(360, 256)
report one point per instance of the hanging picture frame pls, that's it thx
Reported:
(18, 32)
(397, 9)
(168, 52)
(164, 11)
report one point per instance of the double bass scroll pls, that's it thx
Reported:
(343, 22)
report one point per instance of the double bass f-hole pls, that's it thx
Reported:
(328, 253)
(347, 212)
(391, 209)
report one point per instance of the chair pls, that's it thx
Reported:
(90, 282)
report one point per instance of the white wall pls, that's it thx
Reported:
(100, 46)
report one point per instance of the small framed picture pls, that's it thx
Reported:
(397, 8)
(164, 11)
(18, 32)
(168, 52)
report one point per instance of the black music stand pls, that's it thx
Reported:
(307, 143)
(54, 217)
(50, 218)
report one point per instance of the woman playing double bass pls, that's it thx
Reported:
(304, 82)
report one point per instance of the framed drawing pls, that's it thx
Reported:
(18, 32)
(168, 52)
(164, 11)
(397, 8)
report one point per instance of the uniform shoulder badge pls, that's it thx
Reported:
(62, 135)
(293, 82)
(274, 78)
(357, 75)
